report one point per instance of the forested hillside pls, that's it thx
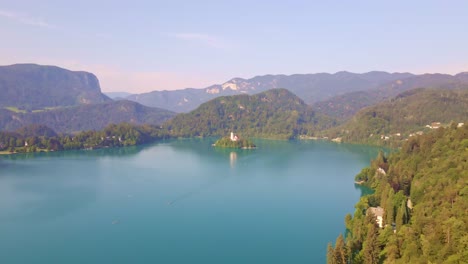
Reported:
(344, 106)
(275, 113)
(85, 117)
(35, 138)
(423, 190)
(391, 122)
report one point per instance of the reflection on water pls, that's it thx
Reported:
(233, 159)
(118, 151)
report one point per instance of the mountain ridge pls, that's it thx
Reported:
(32, 86)
(346, 105)
(309, 87)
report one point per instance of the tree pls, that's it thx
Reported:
(402, 215)
(341, 254)
(330, 254)
(371, 249)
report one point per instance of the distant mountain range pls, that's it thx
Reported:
(117, 95)
(309, 87)
(339, 95)
(376, 103)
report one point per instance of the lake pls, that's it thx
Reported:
(179, 201)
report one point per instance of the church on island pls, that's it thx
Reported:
(234, 141)
(234, 137)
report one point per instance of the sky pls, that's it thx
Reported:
(141, 46)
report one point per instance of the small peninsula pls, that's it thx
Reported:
(234, 142)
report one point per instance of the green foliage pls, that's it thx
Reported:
(391, 122)
(226, 142)
(424, 196)
(346, 105)
(33, 139)
(275, 113)
(86, 117)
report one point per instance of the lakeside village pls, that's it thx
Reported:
(234, 141)
(433, 125)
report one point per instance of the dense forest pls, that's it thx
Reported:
(275, 113)
(423, 190)
(35, 138)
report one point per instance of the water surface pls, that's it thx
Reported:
(179, 201)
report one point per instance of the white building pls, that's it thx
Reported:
(234, 137)
(378, 212)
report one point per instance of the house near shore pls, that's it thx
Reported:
(337, 140)
(434, 125)
(381, 171)
(378, 212)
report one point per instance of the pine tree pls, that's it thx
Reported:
(371, 247)
(389, 208)
(402, 215)
(330, 254)
(341, 255)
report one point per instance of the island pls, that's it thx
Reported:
(234, 142)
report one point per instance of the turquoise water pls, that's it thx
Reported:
(178, 201)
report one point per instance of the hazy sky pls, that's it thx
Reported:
(139, 46)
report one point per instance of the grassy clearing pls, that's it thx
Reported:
(15, 109)
(22, 111)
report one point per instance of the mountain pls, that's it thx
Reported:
(309, 87)
(405, 114)
(86, 117)
(178, 100)
(346, 105)
(117, 95)
(274, 113)
(32, 86)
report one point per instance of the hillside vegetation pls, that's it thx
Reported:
(423, 190)
(344, 106)
(86, 117)
(36, 138)
(275, 113)
(406, 114)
